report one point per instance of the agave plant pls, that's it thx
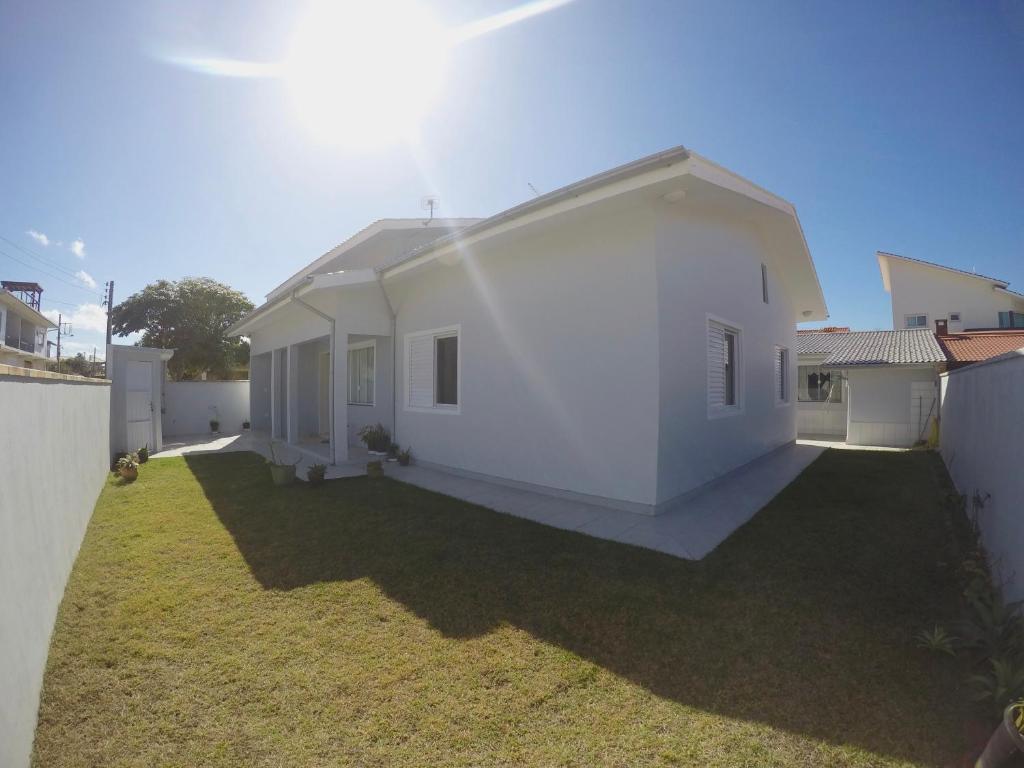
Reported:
(937, 639)
(1002, 683)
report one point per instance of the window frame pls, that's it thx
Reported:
(371, 344)
(909, 327)
(447, 331)
(739, 378)
(783, 384)
(955, 319)
(835, 379)
(764, 283)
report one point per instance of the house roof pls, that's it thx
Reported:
(910, 347)
(975, 346)
(24, 310)
(883, 265)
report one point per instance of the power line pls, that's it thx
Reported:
(90, 291)
(49, 262)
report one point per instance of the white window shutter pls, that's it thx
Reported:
(780, 389)
(716, 365)
(420, 355)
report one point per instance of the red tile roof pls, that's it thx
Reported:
(975, 346)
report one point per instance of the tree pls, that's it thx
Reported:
(77, 365)
(190, 316)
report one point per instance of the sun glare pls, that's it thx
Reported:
(363, 74)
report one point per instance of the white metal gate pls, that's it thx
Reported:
(139, 403)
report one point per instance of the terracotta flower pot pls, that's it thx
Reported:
(1005, 742)
(129, 473)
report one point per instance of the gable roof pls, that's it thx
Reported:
(974, 346)
(374, 245)
(908, 347)
(883, 264)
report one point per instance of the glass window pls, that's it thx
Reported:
(917, 321)
(781, 374)
(764, 283)
(819, 386)
(447, 370)
(361, 363)
(730, 368)
(1011, 319)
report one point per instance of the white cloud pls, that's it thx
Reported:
(86, 278)
(39, 237)
(77, 247)
(88, 317)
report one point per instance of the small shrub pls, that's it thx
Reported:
(316, 474)
(393, 450)
(377, 438)
(114, 461)
(143, 454)
(128, 466)
(937, 640)
(245, 425)
(374, 469)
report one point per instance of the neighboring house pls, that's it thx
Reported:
(924, 295)
(869, 387)
(624, 339)
(22, 326)
(974, 346)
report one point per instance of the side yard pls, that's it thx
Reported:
(212, 619)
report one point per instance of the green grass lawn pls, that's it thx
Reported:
(213, 619)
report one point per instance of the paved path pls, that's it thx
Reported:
(691, 529)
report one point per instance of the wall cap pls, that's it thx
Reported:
(35, 373)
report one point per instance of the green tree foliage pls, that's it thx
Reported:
(190, 316)
(78, 365)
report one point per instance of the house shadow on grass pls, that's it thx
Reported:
(802, 620)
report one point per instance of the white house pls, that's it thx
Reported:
(22, 326)
(925, 294)
(624, 339)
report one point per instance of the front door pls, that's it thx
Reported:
(139, 401)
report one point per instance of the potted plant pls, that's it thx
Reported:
(143, 454)
(245, 426)
(315, 474)
(374, 469)
(404, 457)
(280, 472)
(215, 426)
(377, 439)
(393, 450)
(114, 468)
(128, 467)
(1007, 740)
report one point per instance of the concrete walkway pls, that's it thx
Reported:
(832, 441)
(691, 529)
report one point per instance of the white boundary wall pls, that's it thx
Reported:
(54, 458)
(981, 438)
(189, 406)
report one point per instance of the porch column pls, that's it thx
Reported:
(275, 378)
(339, 367)
(292, 395)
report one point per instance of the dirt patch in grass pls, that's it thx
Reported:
(213, 619)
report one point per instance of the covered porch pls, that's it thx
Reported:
(321, 366)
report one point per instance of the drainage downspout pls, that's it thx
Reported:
(330, 401)
(394, 357)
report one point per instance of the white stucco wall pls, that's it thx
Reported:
(189, 406)
(558, 351)
(982, 426)
(881, 403)
(920, 289)
(54, 457)
(711, 264)
(821, 418)
(382, 409)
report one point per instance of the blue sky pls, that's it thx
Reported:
(893, 126)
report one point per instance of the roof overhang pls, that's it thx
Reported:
(667, 174)
(309, 284)
(24, 310)
(884, 259)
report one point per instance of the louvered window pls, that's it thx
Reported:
(432, 370)
(781, 375)
(723, 368)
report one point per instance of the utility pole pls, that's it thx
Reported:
(60, 332)
(110, 304)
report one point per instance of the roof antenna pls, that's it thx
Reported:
(430, 203)
(535, 192)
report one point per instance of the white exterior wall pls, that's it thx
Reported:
(920, 289)
(982, 425)
(189, 406)
(821, 418)
(118, 356)
(558, 353)
(381, 411)
(881, 403)
(53, 461)
(709, 264)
